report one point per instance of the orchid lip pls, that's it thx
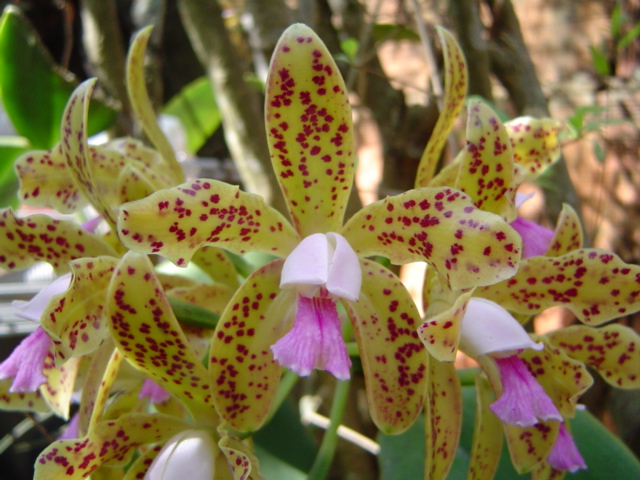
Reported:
(323, 260)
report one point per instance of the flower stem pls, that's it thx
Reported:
(323, 460)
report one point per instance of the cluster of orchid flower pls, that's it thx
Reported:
(488, 271)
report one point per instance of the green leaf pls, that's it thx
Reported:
(33, 88)
(196, 108)
(599, 61)
(10, 148)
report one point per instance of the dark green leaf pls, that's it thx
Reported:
(34, 89)
(10, 149)
(196, 108)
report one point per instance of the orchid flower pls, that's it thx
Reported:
(565, 454)
(287, 311)
(488, 329)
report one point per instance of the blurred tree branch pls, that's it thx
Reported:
(239, 104)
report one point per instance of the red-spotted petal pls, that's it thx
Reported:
(535, 142)
(613, 350)
(486, 167)
(455, 91)
(40, 238)
(111, 442)
(441, 226)
(568, 234)
(393, 358)
(75, 319)
(309, 131)
(146, 331)
(594, 284)
(177, 221)
(244, 375)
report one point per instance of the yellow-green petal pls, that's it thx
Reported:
(60, 384)
(613, 350)
(443, 418)
(76, 150)
(455, 91)
(137, 89)
(594, 284)
(568, 234)
(28, 401)
(486, 166)
(244, 376)
(309, 131)
(535, 142)
(75, 320)
(393, 358)
(240, 458)
(148, 334)
(177, 221)
(487, 434)
(440, 332)
(40, 238)
(531, 445)
(111, 442)
(441, 226)
(217, 264)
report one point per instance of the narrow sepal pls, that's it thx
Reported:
(76, 150)
(75, 320)
(393, 358)
(487, 434)
(60, 384)
(455, 91)
(216, 263)
(486, 167)
(568, 234)
(596, 285)
(441, 226)
(244, 376)
(139, 97)
(612, 350)
(443, 418)
(529, 446)
(147, 332)
(40, 238)
(177, 221)
(309, 131)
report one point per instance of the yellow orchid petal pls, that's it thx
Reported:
(27, 401)
(594, 284)
(568, 234)
(60, 385)
(455, 91)
(146, 331)
(528, 446)
(76, 150)
(216, 263)
(393, 358)
(486, 167)
(40, 238)
(441, 226)
(243, 374)
(487, 434)
(611, 349)
(535, 142)
(177, 221)
(443, 418)
(75, 320)
(111, 442)
(240, 458)
(309, 131)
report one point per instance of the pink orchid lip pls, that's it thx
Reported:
(487, 328)
(565, 454)
(323, 260)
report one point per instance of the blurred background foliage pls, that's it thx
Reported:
(207, 62)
